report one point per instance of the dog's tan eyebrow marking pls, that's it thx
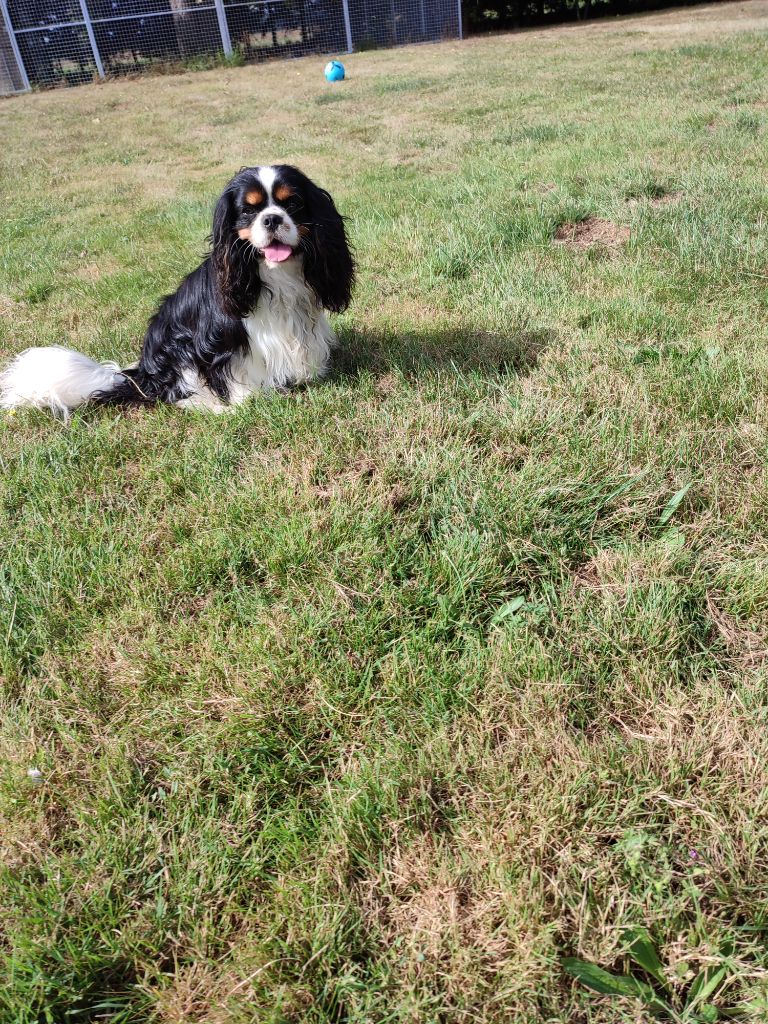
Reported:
(283, 192)
(254, 197)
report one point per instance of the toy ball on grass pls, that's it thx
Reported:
(334, 71)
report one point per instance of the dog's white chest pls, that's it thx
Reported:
(290, 339)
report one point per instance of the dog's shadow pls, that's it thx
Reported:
(362, 351)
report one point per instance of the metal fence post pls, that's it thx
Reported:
(221, 15)
(92, 38)
(14, 45)
(461, 27)
(347, 25)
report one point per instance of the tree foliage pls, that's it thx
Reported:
(482, 15)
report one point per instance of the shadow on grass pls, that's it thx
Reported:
(364, 351)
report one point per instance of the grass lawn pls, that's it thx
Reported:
(373, 701)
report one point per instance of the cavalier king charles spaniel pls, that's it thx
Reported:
(249, 318)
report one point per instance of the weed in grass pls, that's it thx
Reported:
(37, 293)
(695, 1003)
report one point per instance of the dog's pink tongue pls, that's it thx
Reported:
(277, 252)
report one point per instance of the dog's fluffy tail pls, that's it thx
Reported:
(58, 379)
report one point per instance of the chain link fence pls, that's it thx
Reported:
(46, 43)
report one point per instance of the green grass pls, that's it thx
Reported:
(372, 702)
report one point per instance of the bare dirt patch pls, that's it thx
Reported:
(592, 231)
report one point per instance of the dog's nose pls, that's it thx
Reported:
(272, 221)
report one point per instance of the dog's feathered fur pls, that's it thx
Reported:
(248, 317)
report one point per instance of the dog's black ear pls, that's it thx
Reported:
(328, 265)
(235, 266)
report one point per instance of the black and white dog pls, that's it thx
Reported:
(250, 317)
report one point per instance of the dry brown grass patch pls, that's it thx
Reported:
(747, 647)
(668, 199)
(657, 202)
(611, 571)
(198, 994)
(95, 270)
(423, 901)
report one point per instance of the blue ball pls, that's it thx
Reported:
(334, 71)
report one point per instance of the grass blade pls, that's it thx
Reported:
(673, 504)
(507, 610)
(707, 1014)
(705, 984)
(596, 978)
(608, 984)
(642, 950)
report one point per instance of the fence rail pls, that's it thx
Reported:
(68, 42)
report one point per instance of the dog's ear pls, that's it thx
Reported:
(237, 276)
(329, 268)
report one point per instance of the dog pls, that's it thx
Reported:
(249, 318)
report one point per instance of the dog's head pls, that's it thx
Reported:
(268, 216)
